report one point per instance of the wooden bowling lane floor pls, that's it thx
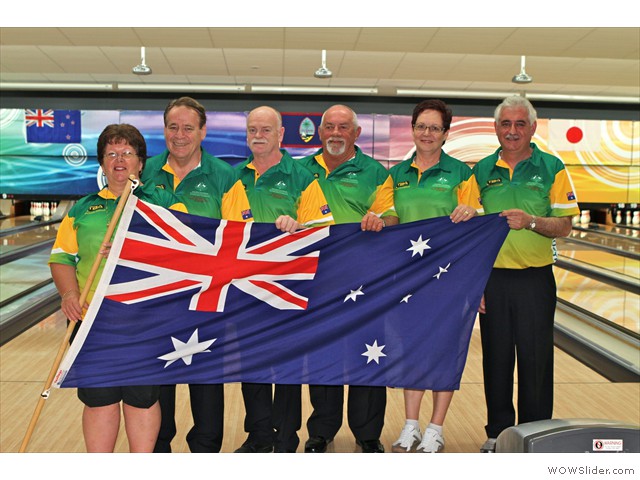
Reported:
(26, 360)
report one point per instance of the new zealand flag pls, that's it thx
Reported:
(53, 126)
(188, 299)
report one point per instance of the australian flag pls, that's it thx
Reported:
(188, 299)
(53, 126)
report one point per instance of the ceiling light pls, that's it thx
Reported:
(175, 87)
(143, 68)
(450, 93)
(56, 86)
(323, 71)
(522, 77)
(552, 97)
(315, 90)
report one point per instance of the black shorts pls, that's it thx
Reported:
(139, 396)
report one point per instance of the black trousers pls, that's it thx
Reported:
(207, 410)
(365, 411)
(273, 418)
(520, 306)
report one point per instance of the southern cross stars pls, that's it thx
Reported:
(186, 351)
(442, 270)
(419, 246)
(354, 294)
(374, 352)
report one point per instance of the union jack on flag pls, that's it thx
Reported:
(208, 268)
(39, 117)
(189, 299)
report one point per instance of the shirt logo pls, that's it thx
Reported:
(494, 181)
(161, 186)
(95, 208)
(201, 186)
(402, 184)
(325, 209)
(442, 184)
(246, 214)
(571, 196)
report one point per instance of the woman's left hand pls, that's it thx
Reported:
(462, 213)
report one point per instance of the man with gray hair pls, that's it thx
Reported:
(358, 189)
(533, 191)
(282, 191)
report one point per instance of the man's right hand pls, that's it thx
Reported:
(287, 224)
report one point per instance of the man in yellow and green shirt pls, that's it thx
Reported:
(359, 190)
(208, 187)
(280, 191)
(533, 190)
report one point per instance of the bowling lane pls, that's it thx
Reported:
(24, 273)
(625, 241)
(614, 304)
(26, 238)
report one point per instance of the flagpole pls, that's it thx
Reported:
(132, 183)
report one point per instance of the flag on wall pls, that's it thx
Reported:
(52, 126)
(301, 130)
(574, 135)
(188, 299)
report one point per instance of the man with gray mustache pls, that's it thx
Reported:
(358, 189)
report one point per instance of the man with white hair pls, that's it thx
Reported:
(280, 190)
(358, 189)
(533, 190)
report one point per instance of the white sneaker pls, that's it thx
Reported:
(432, 442)
(409, 436)
(489, 446)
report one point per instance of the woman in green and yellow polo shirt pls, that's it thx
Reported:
(430, 184)
(122, 151)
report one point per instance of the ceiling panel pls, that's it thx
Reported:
(581, 60)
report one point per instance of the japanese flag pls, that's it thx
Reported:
(572, 135)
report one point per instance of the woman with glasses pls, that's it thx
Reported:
(122, 152)
(429, 184)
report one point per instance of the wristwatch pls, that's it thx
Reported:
(532, 224)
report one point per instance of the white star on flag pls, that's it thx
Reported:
(406, 298)
(354, 294)
(442, 270)
(374, 352)
(419, 246)
(186, 351)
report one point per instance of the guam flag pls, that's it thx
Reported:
(52, 126)
(188, 299)
(301, 130)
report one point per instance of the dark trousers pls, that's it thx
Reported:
(273, 418)
(365, 411)
(520, 306)
(207, 410)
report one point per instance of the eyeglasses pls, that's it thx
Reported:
(126, 155)
(421, 128)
